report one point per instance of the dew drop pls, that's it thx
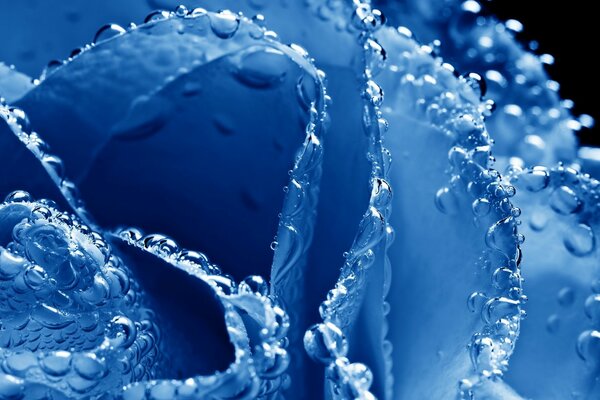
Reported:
(481, 207)
(502, 278)
(535, 179)
(565, 201)
(122, 332)
(592, 308)
(88, 366)
(306, 89)
(553, 323)
(360, 375)
(324, 342)
(538, 220)
(108, 31)
(579, 240)
(566, 296)
(374, 93)
(56, 363)
(181, 11)
(476, 82)
(157, 16)
(375, 57)
(224, 24)
(261, 67)
(446, 201)
(588, 346)
(475, 301)
(253, 284)
(501, 237)
(11, 387)
(18, 196)
(499, 307)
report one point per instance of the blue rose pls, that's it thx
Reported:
(167, 262)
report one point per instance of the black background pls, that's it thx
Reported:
(567, 31)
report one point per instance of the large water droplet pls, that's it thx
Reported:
(224, 24)
(108, 31)
(535, 179)
(565, 201)
(446, 201)
(261, 67)
(253, 284)
(588, 347)
(324, 342)
(579, 240)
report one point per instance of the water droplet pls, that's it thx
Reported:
(374, 93)
(253, 284)
(307, 90)
(499, 307)
(579, 240)
(592, 308)
(181, 11)
(324, 342)
(596, 286)
(56, 363)
(476, 82)
(553, 323)
(481, 349)
(502, 278)
(108, 31)
(122, 332)
(360, 375)
(535, 179)
(538, 220)
(475, 301)
(21, 118)
(158, 15)
(375, 57)
(566, 296)
(88, 366)
(272, 361)
(446, 201)
(588, 346)
(224, 24)
(18, 196)
(55, 165)
(261, 67)
(565, 201)
(481, 207)
(11, 387)
(501, 237)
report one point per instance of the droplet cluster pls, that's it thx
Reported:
(73, 318)
(453, 104)
(327, 342)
